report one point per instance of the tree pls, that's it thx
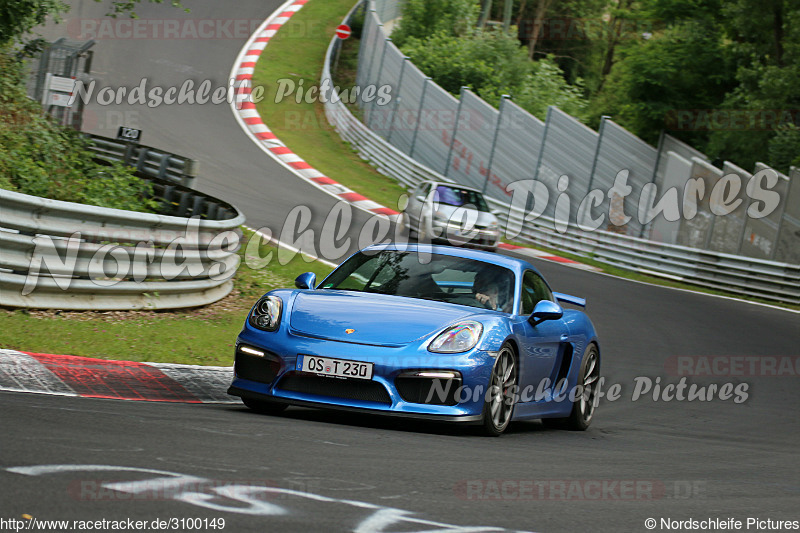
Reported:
(765, 43)
(19, 17)
(683, 69)
(424, 18)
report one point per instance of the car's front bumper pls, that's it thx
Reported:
(485, 238)
(392, 389)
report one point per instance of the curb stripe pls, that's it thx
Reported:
(246, 113)
(98, 378)
(20, 372)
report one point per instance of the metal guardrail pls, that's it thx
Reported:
(147, 160)
(731, 273)
(63, 255)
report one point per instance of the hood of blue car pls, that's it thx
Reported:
(374, 319)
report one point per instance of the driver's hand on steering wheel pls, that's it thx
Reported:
(487, 300)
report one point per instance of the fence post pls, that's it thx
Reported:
(397, 100)
(783, 211)
(377, 79)
(494, 139)
(455, 131)
(646, 227)
(547, 119)
(419, 115)
(597, 150)
(365, 33)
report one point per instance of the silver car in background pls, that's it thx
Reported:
(451, 214)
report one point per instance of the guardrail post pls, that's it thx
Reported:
(455, 131)
(419, 115)
(162, 167)
(190, 169)
(197, 205)
(183, 204)
(494, 140)
(140, 165)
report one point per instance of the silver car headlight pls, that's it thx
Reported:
(458, 338)
(266, 314)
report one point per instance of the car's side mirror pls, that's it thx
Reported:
(545, 310)
(305, 281)
(495, 212)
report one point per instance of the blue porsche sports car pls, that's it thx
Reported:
(423, 331)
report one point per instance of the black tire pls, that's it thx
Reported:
(264, 407)
(583, 408)
(500, 399)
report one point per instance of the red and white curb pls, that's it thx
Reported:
(68, 375)
(538, 254)
(248, 118)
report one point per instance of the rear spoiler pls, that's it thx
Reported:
(567, 299)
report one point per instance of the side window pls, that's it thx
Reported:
(534, 289)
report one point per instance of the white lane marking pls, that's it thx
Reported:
(171, 483)
(39, 470)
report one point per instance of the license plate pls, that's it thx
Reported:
(326, 366)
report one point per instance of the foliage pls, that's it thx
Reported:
(492, 63)
(682, 70)
(784, 148)
(40, 158)
(739, 58)
(18, 17)
(425, 18)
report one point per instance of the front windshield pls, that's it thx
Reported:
(447, 195)
(444, 278)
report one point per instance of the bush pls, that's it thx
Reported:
(492, 64)
(40, 158)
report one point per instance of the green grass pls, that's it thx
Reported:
(297, 53)
(202, 336)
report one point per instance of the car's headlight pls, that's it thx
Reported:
(458, 338)
(266, 314)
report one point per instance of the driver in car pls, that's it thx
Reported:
(492, 289)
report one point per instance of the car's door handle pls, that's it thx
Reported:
(564, 337)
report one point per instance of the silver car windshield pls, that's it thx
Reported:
(455, 196)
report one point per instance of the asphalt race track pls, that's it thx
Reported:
(64, 458)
